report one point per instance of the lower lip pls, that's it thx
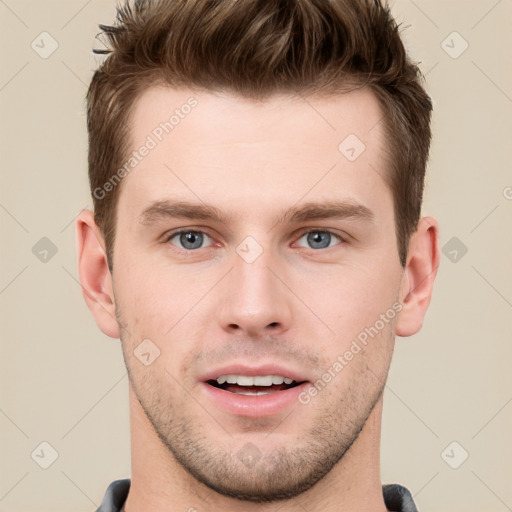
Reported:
(257, 405)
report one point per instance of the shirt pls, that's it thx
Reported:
(396, 497)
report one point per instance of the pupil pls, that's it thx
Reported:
(190, 237)
(316, 237)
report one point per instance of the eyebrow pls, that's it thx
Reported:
(167, 209)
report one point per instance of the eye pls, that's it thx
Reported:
(191, 239)
(320, 239)
(188, 238)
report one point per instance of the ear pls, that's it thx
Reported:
(418, 278)
(95, 276)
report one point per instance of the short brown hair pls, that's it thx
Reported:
(256, 48)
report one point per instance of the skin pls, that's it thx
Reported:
(299, 304)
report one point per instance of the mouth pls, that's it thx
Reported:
(259, 391)
(253, 386)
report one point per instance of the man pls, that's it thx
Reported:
(257, 171)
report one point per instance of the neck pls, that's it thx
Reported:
(160, 484)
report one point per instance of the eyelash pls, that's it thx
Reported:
(173, 234)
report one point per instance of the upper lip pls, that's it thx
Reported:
(253, 371)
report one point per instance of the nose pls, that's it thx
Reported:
(254, 299)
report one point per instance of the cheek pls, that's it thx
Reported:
(147, 298)
(158, 306)
(348, 299)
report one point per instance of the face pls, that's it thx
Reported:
(249, 242)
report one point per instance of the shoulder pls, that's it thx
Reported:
(115, 496)
(398, 498)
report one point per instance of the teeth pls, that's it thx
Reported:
(248, 381)
(254, 393)
(263, 380)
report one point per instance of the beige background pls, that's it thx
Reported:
(63, 382)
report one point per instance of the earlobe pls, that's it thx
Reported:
(95, 276)
(419, 275)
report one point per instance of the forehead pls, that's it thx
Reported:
(225, 147)
(330, 117)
